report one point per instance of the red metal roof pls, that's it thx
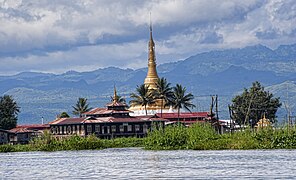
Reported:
(68, 121)
(116, 104)
(113, 119)
(21, 130)
(33, 126)
(104, 119)
(104, 111)
(29, 128)
(183, 115)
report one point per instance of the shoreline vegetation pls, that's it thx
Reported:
(200, 136)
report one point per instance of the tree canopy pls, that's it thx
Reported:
(142, 97)
(163, 92)
(8, 112)
(81, 107)
(180, 99)
(252, 104)
(64, 115)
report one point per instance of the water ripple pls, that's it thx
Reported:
(135, 163)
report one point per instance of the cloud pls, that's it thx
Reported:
(58, 35)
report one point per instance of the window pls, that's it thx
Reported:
(89, 129)
(52, 130)
(64, 130)
(137, 127)
(145, 128)
(129, 128)
(105, 130)
(73, 129)
(113, 128)
(78, 130)
(97, 128)
(69, 130)
(121, 128)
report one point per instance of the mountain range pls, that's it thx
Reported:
(224, 73)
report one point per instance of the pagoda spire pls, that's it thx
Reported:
(115, 97)
(152, 76)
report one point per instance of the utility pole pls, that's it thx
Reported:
(287, 107)
(249, 109)
(217, 108)
(215, 121)
(231, 120)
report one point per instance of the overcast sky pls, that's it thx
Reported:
(83, 35)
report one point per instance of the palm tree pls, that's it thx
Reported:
(142, 97)
(81, 107)
(180, 99)
(163, 91)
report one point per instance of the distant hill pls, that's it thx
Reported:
(224, 72)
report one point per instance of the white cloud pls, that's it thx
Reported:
(59, 35)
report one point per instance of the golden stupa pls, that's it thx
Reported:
(263, 123)
(151, 80)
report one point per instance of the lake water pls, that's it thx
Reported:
(135, 163)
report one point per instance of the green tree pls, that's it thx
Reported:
(81, 107)
(163, 92)
(64, 115)
(180, 99)
(249, 107)
(142, 97)
(8, 112)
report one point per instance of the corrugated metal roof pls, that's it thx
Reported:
(103, 120)
(116, 104)
(68, 121)
(104, 111)
(183, 115)
(113, 119)
(22, 130)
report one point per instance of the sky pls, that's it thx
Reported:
(56, 36)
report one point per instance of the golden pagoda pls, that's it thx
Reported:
(263, 123)
(152, 77)
(150, 80)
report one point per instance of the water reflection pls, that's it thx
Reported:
(135, 163)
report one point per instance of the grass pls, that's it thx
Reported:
(200, 136)
(48, 143)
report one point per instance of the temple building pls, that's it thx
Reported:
(110, 122)
(150, 80)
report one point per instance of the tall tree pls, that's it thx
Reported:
(164, 92)
(8, 112)
(142, 97)
(249, 107)
(81, 107)
(180, 99)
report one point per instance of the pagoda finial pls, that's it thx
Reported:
(115, 97)
(150, 27)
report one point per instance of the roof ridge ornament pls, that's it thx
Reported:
(115, 97)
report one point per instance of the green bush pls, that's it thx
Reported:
(200, 136)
